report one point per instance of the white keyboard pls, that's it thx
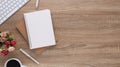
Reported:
(9, 7)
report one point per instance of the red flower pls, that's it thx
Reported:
(13, 42)
(7, 43)
(4, 52)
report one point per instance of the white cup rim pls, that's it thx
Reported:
(5, 65)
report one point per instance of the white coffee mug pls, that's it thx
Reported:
(5, 65)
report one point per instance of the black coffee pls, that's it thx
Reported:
(13, 63)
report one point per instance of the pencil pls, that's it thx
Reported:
(29, 56)
(37, 3)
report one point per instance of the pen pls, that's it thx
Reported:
(37, 3)
(29, 56)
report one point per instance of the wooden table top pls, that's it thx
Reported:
(87, 34)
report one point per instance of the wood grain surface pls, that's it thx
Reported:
(87, 34)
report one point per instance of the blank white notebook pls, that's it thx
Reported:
(39, 29)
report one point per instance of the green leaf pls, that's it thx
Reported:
(10, 37)
(0, 34)
(1, 44)
(7, 35)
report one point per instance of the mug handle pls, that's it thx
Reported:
(24, 66)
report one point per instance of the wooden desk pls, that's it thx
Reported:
(87, 34)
